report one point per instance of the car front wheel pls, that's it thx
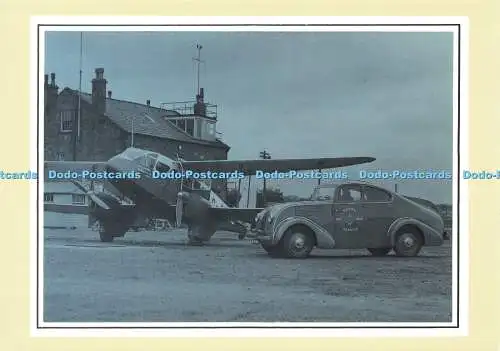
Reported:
(408, 243)
(297, 243)
(272, 250)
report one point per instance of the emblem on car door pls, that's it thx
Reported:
(350, 218)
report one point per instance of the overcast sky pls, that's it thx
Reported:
(386, 95)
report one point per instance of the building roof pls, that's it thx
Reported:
(61, 187)
(148, 120)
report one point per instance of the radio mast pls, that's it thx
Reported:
(198, 63)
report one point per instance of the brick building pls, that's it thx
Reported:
(106, 126)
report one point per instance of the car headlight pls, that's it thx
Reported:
(259, 215)
(272, 214)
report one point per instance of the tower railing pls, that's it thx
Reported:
(186, 108)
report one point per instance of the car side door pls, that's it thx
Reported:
(348, 233)
(377, 208)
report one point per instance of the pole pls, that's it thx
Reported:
(239, 191)
(248, 192)
(265, 156)
(264, 194)
(132, 141)
(77, 116)
(319, 178)
(80, 85)
(396, 188)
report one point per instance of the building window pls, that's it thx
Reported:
(66, 120)
(78, 199)
(60, 156)
(48, 197)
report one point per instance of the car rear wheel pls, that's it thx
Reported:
(297, 243)
(379, 251)
(408, 243)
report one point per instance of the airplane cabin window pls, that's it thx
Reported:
(372, 194)
(163, 168)
(150, 161)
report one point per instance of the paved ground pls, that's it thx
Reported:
(150, 276)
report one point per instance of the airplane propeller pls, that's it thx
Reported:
(179, 207)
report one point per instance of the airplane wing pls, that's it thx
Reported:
(249, 167)
(234, 214)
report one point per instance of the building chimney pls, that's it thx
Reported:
(109, 94)
(200, 108)
(148, 102)
(51, 93)
(99, 90)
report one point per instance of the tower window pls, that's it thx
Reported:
(181, 124)
(211, 128)
(190, 126)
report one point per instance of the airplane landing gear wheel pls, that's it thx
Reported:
(109, 231)
(106, 237)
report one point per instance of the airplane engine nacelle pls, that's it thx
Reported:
(194, 210)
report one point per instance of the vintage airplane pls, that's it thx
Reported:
(188, 201)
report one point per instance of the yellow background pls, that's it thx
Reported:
(14, 140)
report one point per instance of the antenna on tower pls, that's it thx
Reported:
(198, 62)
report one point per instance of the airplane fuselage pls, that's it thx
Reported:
(149, 195)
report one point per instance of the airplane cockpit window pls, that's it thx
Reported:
(323, 193)
(132, 153)
(151, 161)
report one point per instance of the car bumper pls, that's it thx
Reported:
(259, 236)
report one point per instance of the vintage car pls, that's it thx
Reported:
(352, 215)
(446, 213)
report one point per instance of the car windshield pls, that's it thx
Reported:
(323, 193)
